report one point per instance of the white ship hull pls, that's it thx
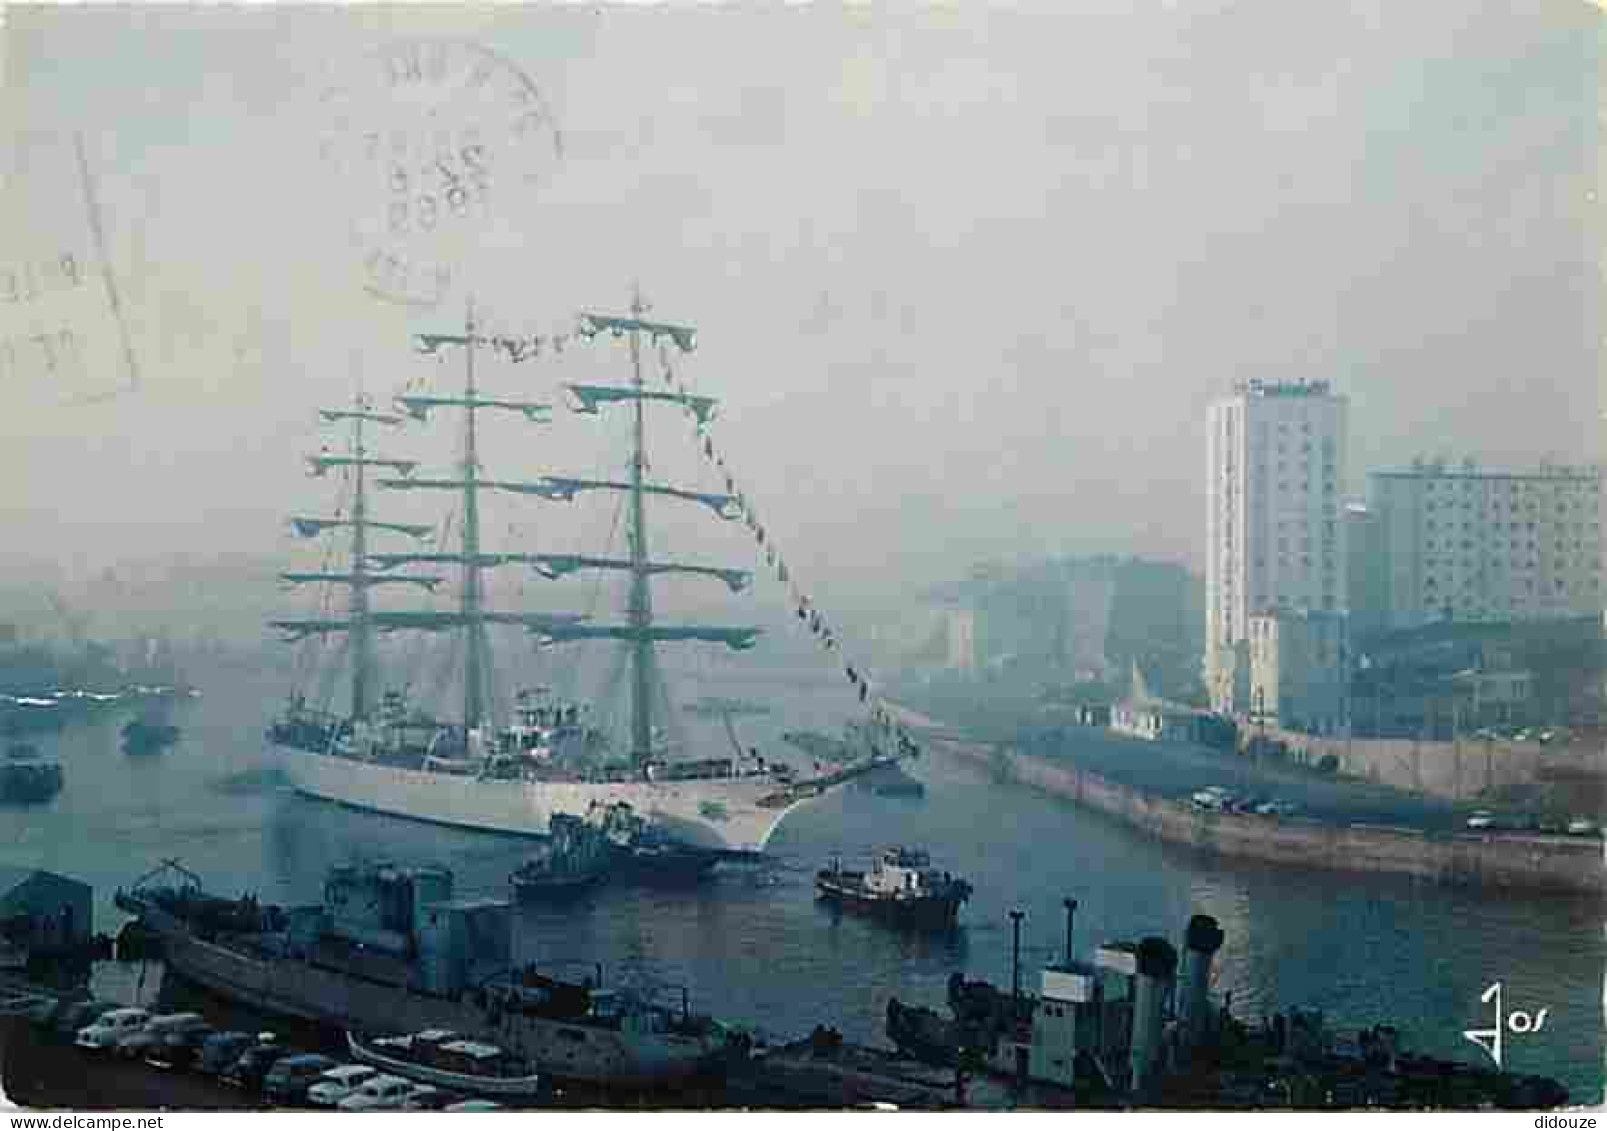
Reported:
(718, 814)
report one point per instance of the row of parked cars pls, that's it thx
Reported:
(1543, 735)
(286, 1077)
(1486, 820)
(1217, 799)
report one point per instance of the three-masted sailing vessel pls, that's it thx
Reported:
(394, 758)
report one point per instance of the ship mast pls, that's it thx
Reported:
(360, 617)
(471, 617)
(476, 647)
(362, 638)
(639, 632)
(639, 612)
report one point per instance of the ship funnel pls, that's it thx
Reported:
(1071, 910)
(1201, 942)
(1157, 966)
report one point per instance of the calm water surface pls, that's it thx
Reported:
(753, 946)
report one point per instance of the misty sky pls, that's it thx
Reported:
(965, 280)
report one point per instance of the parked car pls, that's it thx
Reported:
(136, 1045)
(378, 1093)
(1481, 819)
(1581, 827)
(151, 1036)
(290, 1077)
(254, 1064)
(182, 1048)
(427, 1097)
(338, 1083)
(221, 1051)
(111, 1028)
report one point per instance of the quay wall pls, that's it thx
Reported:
(1513, 862)
(1458, 771)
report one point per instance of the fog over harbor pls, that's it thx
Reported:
(966, 279)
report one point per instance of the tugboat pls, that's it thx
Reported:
(27, 777)
(643, 852)
(575, 858)
(901, 886)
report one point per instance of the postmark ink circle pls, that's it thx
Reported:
(429, 142)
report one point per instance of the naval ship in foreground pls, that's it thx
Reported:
(469, 773)
(390, 950)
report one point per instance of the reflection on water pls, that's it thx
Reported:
(753, 946)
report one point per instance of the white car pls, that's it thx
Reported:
(1581, 827)
(112, 1027)
(379, 1093)
(338, 1083)
(1481, 819)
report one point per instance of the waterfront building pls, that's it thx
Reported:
(40, 909)
(1300, 670)
(1366, 572)
(1144, 715)
(1466, 544)
(1274, 530)
(1075, 619)
(1450, 679)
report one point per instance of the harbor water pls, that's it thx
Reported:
(752, 945)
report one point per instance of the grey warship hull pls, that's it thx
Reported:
(559, 1048)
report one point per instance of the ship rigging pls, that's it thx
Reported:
(398, 760)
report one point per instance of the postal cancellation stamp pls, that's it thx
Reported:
(431, 141)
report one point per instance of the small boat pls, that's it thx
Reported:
(642, 851)
(901, 886)
(575, 857)
(445, 1059)
(144, 737)
(26, 776)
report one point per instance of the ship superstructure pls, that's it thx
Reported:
(396, 759)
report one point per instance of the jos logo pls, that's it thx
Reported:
(1518, 1021)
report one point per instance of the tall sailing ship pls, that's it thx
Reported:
(394, 758)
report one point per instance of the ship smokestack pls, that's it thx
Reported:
(1071, 910)
(1201, 942)
(1157, 964)
(1015, 960)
